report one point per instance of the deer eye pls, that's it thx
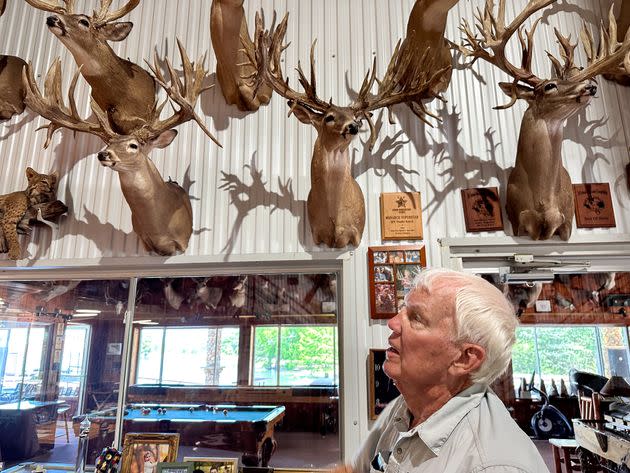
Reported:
(84, 22)
(549, 87)
(133, 145)
(329, 118)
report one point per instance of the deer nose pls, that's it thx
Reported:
(591, 89)
(52, 20)
(353, 128)
(103, 156)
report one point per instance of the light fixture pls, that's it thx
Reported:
(506, 276)
(89, 311)
(145, 322)
(86, 314)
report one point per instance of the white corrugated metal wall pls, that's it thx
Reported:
(249, 197)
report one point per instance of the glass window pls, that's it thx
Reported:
(306, 356)
(179, 355)
(51, 375)
(551, 352)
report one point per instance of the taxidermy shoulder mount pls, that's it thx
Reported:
(19, 210)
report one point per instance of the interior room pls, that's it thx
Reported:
(194, 280)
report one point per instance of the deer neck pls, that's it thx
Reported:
(540, 153)
(428, 19)
(97, 62)
(141, 186)
(329, 166)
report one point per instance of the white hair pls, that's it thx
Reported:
(483, 316)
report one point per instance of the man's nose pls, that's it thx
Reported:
(394, 323)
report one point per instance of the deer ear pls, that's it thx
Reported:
(304, 114)
(116, 31)
(164, 139)
(520, 91)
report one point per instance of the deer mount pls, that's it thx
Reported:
(233, 47)
(428, 48)
(12, 92)
(122, 89)
(623, 23)
(161, 213)
(539, 193)
(335, 204)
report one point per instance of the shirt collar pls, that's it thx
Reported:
(440, 425)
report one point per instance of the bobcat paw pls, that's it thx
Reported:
(14, 254)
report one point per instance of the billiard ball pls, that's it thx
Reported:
(225, 412)
(191, 409)
(164, 410)
(214, 409)
(145, 411)
(159, 410)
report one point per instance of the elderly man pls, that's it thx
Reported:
(451, 340)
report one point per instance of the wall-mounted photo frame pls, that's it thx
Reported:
(174, 467)
(213, 464)
(381, 389)
(401, 216)
(482, 209)
(593, 205)
(391, 272)
(143, 451)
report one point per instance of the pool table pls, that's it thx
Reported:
(225, 426)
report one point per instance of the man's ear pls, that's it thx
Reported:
(470, 359)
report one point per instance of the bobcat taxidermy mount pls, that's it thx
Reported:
(15, 206)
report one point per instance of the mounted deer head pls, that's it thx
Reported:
(336, 209)
(122, 89)
(12, 91)
(231, 40)
(3, 5)
(428, 47)
(623, 23)
(539, 193)
(161, 213)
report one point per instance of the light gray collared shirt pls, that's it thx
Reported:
(473, 432)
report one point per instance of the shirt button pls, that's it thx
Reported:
(399, 450)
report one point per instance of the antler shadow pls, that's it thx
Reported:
(450, 150)
(382, 159)
(246, 197)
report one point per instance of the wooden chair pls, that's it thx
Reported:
(565, 454)
(590, 405)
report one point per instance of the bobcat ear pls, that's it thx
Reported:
(55, 177)
(30, 173)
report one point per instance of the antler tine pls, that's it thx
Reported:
(567, 53)
(51, 106)
(184, 94)
(45, 5)
(611, 57)
(269, 49)
(495, 35)
(102, 17)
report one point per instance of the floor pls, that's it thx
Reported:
(295, 450)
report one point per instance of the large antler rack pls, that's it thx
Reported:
(269, 46)
(393, 90)
(51, 105)
(268, 53)
(495, 36)
(611, 57)
(184, 94)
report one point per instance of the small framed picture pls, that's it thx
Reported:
(177, 467)
(381, 389)
(392, 270)
(213, 464)
(142, 452)
(482, 209)
(593, 205)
